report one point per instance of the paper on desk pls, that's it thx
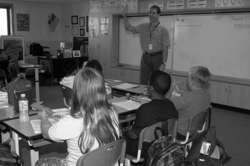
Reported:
(125, 86)
(36, 125)
(127, 104)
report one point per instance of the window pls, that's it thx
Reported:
(6, 20)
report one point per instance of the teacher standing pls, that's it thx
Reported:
(154, 40)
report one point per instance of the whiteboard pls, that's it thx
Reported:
(219, 41)
(130, 51)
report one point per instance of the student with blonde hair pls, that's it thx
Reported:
(192, 96)
(92, 121)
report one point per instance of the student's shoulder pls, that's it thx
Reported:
(69, 120)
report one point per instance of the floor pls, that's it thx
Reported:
(233, 128)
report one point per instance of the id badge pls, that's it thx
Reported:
(150, 46)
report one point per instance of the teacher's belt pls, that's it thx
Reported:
(153, 53)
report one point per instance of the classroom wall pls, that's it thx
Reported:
(39, 28)
(101, 45)
(70, 9)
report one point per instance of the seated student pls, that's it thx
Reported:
(95, 64)
(157, 110)
(192, 96)
(92, 121)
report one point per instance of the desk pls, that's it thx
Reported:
(125, 87)
(24, 130)
(36, 68)
(60, 67)
(116, 85)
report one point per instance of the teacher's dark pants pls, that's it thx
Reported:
(149, 63)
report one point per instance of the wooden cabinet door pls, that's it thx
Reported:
(239, 96)
(219, 92)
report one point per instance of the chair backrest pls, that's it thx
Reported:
(107, 155)
(67, 95)
(198, 124)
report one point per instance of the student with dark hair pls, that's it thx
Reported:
(154, 40)
(95, 64)
(157, 110)
(92, 121)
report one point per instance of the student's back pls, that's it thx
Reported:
(191, 97)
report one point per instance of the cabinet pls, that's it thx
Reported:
(234, 95)
(219, 92)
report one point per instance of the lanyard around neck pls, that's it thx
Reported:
(151, 31)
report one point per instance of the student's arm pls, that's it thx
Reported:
(45, 124)
(181, 101)
(127, 24)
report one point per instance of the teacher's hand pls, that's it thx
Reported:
(163, 67)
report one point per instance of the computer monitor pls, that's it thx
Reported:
(79, 41)
(13, 42)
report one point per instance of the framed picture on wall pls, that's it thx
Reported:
(74, 19)
(82, 21)
(76, 53)
(23, 22)
(87, 24)
(82, 32)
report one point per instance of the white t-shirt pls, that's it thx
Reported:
(69, 129)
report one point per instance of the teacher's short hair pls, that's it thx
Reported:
(157, 8)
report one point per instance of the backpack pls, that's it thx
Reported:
(208, 149)
(159, 151)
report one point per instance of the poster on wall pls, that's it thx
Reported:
(82, 21)
(75, 30)
(197, 3)
(160, 4)
(175, 4)
(132, 5)
(23, 22)
(104, 25)
(94, 26)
